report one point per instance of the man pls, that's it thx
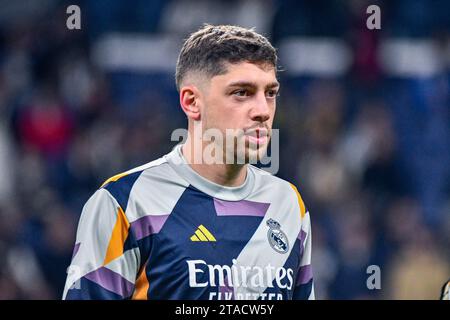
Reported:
(193, 225)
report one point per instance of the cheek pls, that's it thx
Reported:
(237, 118)
(224, 114)
(215, 116)
(273, 111)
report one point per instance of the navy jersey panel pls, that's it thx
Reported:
(173, 248)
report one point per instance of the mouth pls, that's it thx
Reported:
(257, 136)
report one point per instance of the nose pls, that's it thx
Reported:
(260, 111)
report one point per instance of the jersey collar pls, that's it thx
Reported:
(178, 163)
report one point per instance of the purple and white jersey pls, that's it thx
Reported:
(161, 231)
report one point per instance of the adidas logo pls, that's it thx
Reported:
(202, 234)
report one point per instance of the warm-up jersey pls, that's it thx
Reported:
(161, 231)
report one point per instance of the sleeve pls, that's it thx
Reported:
(304, 286)
(445, 294)
(104, 265)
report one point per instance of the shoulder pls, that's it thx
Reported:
(280, 186)
(121, 185)
(135, 172)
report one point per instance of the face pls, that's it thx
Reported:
(243, 100)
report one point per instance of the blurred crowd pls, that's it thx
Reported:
(369, 149)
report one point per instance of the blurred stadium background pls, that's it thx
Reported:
(364, 119)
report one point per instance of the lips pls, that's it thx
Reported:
(257, 136)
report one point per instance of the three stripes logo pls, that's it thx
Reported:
(202, 234)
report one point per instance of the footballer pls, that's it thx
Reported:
(184, 227)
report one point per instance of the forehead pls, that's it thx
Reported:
(260, 74)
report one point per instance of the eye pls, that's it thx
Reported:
(241, 93)
(272, 93)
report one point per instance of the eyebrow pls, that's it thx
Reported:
(253, 85)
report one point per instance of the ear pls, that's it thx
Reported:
(189, 101)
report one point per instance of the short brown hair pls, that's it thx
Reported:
(207, 49)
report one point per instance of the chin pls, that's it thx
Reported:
(247, 153)
(255, 153)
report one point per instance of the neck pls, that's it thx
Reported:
(229, 175)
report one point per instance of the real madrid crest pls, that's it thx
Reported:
(277, 238)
